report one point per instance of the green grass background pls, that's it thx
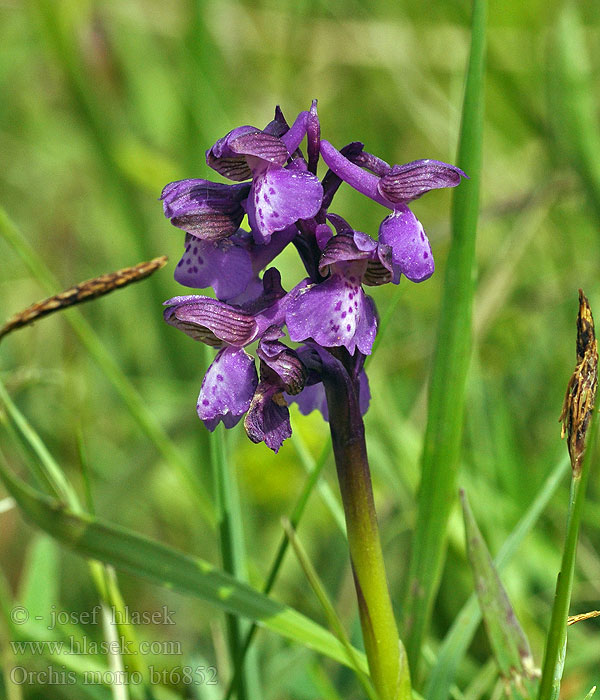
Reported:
(103, 103)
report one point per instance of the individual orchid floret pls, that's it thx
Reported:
(337, 312)
(281, 370)
(394, 187)
(207, 210)
(231, 387)
(279, 195)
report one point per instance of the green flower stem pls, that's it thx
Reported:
(385, 654)
(557, 634)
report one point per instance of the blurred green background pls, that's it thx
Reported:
(103, 103)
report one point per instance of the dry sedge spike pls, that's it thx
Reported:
(581, 389)
(84, 291)
(572, 619)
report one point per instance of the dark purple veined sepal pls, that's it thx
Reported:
(229, 155)
(404, 183)
(196, 314)
(209, 210)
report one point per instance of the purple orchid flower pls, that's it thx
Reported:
(394, 187)
(231, 386)
(328, 312)
(337, 312)
(280, 194)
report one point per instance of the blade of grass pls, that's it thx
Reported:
(465, 624)
(165, 566)
(447, 393)
(556, 639)
(38, 589)
(48, 472)
(332, 617)
(92, 343)
(572, 85)
(234, 560)
(509, 644)
(295, 518)
(103, 577)
(329, 499)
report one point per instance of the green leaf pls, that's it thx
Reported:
(572, 91)
(39, 586)
(328, 608)
(165, 566)
(465, 624)
(508, 641)
(443, 436)
(109, 366)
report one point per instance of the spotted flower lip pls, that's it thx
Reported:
(227, 388)
(230, 266)
(335, 312)
(279, 197)
(411, 253)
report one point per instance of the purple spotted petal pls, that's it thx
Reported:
(209, 210)
(334, 312)
(411, 252)
(268, 419)
(406, 182)
(279, 197)
(222, 265)
(227, 388)
(196, 314)
(229, 155)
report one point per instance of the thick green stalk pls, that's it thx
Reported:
(441, 451)
(385, 654)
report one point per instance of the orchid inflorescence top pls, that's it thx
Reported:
(328, 312)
